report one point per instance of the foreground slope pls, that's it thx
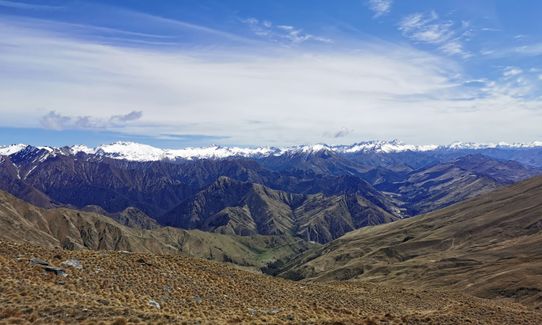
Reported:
(73, 229)
(118, 287)
(490, 246)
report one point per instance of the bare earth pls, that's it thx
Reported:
(117, 287)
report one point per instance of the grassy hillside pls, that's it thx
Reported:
(490, 246)
(120, 288)
(73, 229)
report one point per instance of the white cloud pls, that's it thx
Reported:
(24, 5)
(429, 28)
(380, 7)
(454, 47)
(282, 33)
(529, 50)
(383, 91)
(509, 72)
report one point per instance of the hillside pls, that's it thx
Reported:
(120, 288)
(490, 246)
(72, 229)
(232, 207)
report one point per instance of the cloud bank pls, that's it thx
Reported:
(380, 90)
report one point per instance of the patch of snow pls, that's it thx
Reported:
(29, 172)
(131, 151)
(385, 147)
(11, 149)
(81, 148)
(217, 152)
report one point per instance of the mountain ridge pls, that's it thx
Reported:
(141, 152)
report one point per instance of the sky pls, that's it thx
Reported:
(270, 72)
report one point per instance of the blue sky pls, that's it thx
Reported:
(281, 72)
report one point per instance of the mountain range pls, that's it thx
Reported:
(317, 193)
(141, 152)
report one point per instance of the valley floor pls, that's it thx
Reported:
(120, 288)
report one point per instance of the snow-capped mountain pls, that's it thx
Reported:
(141, 152)
(11, 149)
(503, 145)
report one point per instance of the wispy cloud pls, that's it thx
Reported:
(429, 28)
(382, 90)
(511, 72)
(380, 7)
(25, 5)
(281, 33)
(529, 50)
(56, 121)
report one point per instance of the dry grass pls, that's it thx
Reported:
(115, 288)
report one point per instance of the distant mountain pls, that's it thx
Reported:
(140, 152)
(490, 246)
(315, 192)
(442, 184)
(243, 208)
(72, 229)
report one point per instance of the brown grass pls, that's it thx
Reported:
(115, 288)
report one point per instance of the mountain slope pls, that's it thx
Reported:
(72, 229)
(243, 208)
(121, 288)
(490, 246)
(445, 183)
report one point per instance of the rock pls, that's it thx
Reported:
(47, 267)
(273, 311)
(56, 270)
(142, 261)
(38, 261)
(73, 263)
(197, 299)
(154, 303)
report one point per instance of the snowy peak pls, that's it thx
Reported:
(11, 149)
(385, 147)
(141, 152)
(502, 145)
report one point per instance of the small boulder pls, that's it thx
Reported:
(76, 264)
(38, 261)
(154, 303)
(56, 270)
